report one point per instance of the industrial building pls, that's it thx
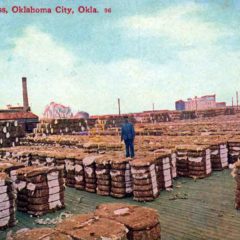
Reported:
(199, 103)
(22, 114)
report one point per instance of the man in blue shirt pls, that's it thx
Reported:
(128, 135)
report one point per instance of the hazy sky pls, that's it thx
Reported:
(145, 51)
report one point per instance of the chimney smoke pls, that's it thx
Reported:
(25, 95)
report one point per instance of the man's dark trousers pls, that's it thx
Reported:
(129, 148)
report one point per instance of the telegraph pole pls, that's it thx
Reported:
(237, 99)
(119, 107)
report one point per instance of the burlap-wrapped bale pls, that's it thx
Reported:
(233, 150)
(10, 167)
(79, 172)
(7, 202)
(219, 156)
(70, 170)
(10, 133)
(57, 156)
(236, 174)
(142, 222)
(40, 189)
(182, 161)
(121, 179)
(89, 173)
(88, 226)
(40, 233)
(164, 170)
(62, 126)
(199, 161)
(145, 179)
(103, 166)
(174, 164)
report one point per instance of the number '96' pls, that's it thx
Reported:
(107, 10)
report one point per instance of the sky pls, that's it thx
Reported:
(144, 52)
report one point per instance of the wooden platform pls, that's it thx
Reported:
(205, 212)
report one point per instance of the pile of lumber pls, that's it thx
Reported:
(7, 202)
(40, 190)
(10, 133)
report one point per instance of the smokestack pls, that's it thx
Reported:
(25, 94)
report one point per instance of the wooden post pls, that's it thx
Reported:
(237, 99)
(119, 107)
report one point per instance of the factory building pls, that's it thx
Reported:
(199, 103)
(22, 114)
(180, 105)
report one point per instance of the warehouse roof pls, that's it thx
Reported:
(17, 115)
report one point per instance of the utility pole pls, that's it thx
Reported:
(237, 98)
(153, 107)
(232, 102)
(119, 107)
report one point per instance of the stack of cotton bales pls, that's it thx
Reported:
(236, 175)
(70, 171)
(103, 166)
(38, 159)
(164, 170)
(10, 133)
(141, 222)
(199, 161)
(89, 173)
(7, 202)
(145, 179)
(61, 126)
(10, 168)
(39, 233)
(79, 172)
(174, 164)
(219, 156)
(233, 150)
(90, 227)
(40, 189)
(121, 179)
(182, 161)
